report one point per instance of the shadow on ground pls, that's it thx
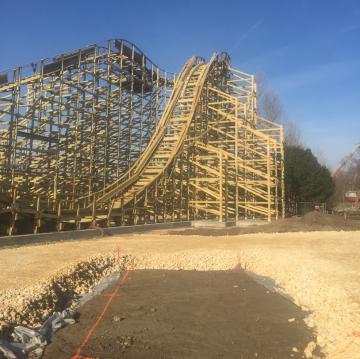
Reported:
(188, 314)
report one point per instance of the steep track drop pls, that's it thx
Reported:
(122, 151)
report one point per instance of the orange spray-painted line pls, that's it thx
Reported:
(99, 319)
(355, 335)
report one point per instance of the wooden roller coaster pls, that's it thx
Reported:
(103, 134)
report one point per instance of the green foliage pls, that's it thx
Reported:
(306, 180)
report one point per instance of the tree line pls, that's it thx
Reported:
(306, 179)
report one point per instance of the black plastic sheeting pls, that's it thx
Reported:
(70, 60)
(128, 52)
(33, 341)
(34, 136)
(3, 79)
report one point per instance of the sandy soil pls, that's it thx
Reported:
(320, 271)
(187, 314)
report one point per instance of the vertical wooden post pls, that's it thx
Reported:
(146, 210)
(268, 180)
(108, 217)
(276, 179)
(236, 204)
(14, 213)
(59, 219)
(226, 190)
(93, 209)
(135, 214)
(78, 219)
(187, 188)
(282, 172)
(156, 202)
(181, 190)
(122, 211)
(173, 189)
(37, 216)
(221, 189)
(164, 197)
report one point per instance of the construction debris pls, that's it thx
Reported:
(32, 342)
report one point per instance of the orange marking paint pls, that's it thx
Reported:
(355, 335)
(99, 319)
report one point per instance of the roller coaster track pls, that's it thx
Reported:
(169, 137)
(102, 134)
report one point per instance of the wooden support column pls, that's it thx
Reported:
(156, 202)
(77, 218)
(268, 180)
(37, 222)
(276, 179)
(221, 188)
(108, 217)
(173, 189)
(14, 212)
(145, 210)
(282, 169)
(59, 218)
(93, 210)
(122, 211)
(226, 190)
(180, 202)
(236, 204)
(135, 214)
(187, 190)
(164, 198)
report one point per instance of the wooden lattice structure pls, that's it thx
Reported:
(102, 134)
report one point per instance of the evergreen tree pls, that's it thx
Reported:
(306, 180)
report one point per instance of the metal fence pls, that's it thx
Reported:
(301, 208)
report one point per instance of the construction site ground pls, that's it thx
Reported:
(214, 304)
(188, 314)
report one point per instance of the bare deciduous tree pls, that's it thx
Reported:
(268, 102)
(292, 134)
(269, 106)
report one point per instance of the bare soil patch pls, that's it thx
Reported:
(189, 314)
(313, 221)
(319, 270)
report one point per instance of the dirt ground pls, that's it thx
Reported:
(312, 221)
(188, 314)
(318, 270)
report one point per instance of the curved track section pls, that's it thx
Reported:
(168, 139)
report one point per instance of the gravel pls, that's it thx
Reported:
(318, 271)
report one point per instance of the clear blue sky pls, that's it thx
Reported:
(309, 50)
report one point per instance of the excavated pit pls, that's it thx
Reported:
(74, 286)
(319, 271)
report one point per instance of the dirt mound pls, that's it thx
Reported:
(312, 221)
(334, 221)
